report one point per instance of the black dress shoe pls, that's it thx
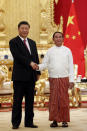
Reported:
(64, 124)
(31, 126)
(54, 124)
(15, 127)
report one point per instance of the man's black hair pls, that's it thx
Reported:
(23, 23)
(58, 32)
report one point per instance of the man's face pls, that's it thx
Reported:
(23, 30)
(58, 39)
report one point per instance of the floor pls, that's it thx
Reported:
(78, 121)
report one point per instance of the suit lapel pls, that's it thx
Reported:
(22, 45)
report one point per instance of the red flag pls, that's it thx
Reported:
(81, 8)
(74, 41)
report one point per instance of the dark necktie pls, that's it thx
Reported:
(27, 46)
(25, 43)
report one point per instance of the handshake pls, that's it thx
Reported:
(34, 66)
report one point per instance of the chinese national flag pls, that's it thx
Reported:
(74, 41)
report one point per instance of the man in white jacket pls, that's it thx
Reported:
(59, 62)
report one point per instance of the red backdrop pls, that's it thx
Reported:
(61, 9)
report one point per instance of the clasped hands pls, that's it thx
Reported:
(34, 66)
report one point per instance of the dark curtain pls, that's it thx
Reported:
(61, 9)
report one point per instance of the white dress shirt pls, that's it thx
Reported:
(59, 62)
(27, 43)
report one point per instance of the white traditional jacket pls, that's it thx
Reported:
(59, 62)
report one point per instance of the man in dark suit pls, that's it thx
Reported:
(24, 75)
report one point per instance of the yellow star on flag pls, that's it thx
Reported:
(70, 20)
(67, 36)
(74, 37)
(79, 32)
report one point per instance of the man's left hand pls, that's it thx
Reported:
(71, 85)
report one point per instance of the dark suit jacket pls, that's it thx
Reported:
(22, 71)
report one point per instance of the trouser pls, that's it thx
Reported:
(23, 89)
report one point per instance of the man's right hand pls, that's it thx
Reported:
(34, 65)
